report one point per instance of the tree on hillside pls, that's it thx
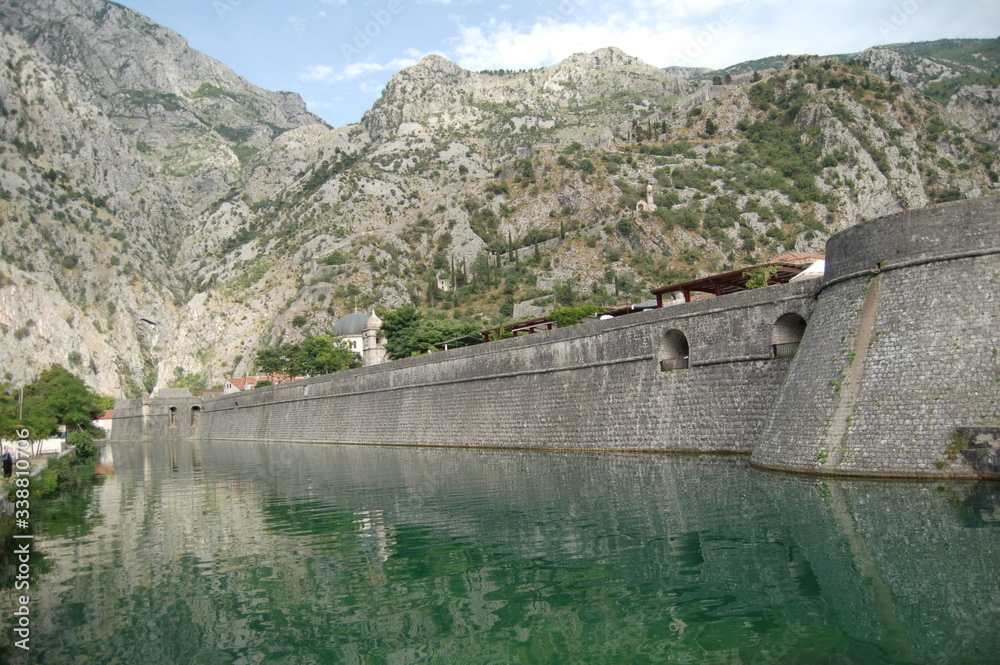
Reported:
(320, 354)
(570, 316)
(408, 332)
(195, 382)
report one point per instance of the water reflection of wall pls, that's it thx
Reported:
(266, 546)
(891, 557)
(161, 547)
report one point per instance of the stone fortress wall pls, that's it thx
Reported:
(902, 353)
(899, 352)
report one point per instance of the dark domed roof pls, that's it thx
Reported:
(352, 324)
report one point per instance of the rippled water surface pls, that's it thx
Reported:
(271, 553)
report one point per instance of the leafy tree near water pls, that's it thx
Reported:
(83, 442)
(408, 332)
(8, 411)
(56, 398)
(320, 354)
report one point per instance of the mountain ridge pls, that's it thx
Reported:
(162, 227)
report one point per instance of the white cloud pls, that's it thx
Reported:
(315, 105)
(711, 33)
(296, 24)
(372, 89)
(654, 30)
(327, 74)
(318, 73)
(502, 45)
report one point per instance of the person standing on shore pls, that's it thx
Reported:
(8, 460)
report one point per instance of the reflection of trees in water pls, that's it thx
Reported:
(352, 553)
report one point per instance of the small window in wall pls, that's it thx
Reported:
(786, 335)
(195, 413)
(173, 416)
(673, 351)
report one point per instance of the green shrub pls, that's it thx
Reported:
(84, 444)
(570, 316)
(334, 259)
(759, 277)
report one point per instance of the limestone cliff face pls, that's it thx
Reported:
(189, 115)
(115, 135)
(117, 51)
(976, 109)
(600, 89)
(84, 217)
(160, 214)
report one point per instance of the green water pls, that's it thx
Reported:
(269, 553)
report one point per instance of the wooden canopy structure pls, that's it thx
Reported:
(628, 308)
(789, 265)
(529, 326)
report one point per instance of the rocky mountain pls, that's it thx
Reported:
(161, 219)
(115, 136)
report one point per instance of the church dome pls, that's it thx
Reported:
(351, 325)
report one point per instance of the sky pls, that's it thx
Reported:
(339, 54)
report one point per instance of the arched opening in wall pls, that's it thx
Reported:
(173, 416)
(786, 335)
(673, 351)
(195, 414)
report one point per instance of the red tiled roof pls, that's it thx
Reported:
(248, 382)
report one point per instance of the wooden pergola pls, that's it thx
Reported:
(529, 326)
(789, 265)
